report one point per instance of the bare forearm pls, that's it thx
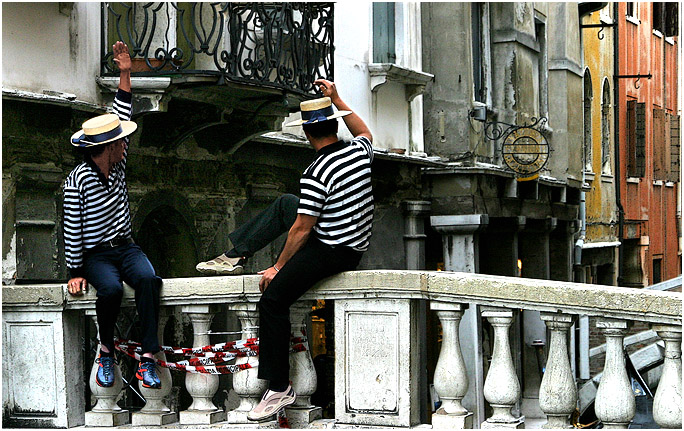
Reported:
(125, 80)
(296, 239)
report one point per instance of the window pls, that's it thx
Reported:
(657, 270)
(631, 9)
(671, 19)
(605, 129)
(383, 33)
(675, 148)
(636, 138)
(587, 121)
(658, 17)
(478, 66)
(661, 150)
(540, 32)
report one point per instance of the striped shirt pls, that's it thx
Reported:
(337, 189)
(96, 208)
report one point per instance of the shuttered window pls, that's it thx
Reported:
(660, 147)
(675, 148)
(383, 33)
(636, 138)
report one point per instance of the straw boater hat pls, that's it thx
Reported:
(102, 130)
(317, 110)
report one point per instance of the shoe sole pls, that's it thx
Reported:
(212, 271)
(266, 416)
(103, 386)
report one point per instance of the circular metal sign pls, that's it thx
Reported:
(525, 151)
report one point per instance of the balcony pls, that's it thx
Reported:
(378, 367)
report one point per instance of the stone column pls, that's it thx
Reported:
(302, 372)
(667, 403)
(558, 392)
(414, 232)
(106, 412)
(451, 377)
(156, 412)
(501, 388)
(201, 387)
(246, 383)
(460, 238)
(615, 405)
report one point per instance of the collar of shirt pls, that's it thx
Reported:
(331, 148)
(96, 169)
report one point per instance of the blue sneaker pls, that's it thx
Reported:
(147, 373)
(105, 372)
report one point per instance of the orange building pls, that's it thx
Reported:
(648, 125)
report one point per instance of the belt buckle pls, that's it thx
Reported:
(111, 243)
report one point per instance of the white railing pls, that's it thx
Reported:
(377, 340)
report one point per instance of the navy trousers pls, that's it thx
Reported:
(106, 270)
(312, 263)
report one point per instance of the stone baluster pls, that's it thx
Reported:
(106, 412)
(155, 411)
(501, 388)
(246, 383)
(667, 404)
(201, 387)
(302, 372)
(558, 392)
(451, 377)
(615, 405)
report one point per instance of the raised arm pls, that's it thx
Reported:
(354, 123)
(123, 61)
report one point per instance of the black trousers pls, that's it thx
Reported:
(105, 270)
(312, 263)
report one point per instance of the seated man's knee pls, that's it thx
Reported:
(110, 291)
(288, 201)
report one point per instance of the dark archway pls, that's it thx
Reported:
(168, 241)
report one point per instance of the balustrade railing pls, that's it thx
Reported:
(281, 45)
(377, 339)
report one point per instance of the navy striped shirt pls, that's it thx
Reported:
(96, 208)
(337, 189)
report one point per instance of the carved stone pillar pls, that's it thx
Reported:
(667, 403)
(501, 387)
(558, 392)
(201, 387)
(451, 377)
(615, 405)
(246, 383)
(414, 232)
(156, 412)
(106, 412)
(302, 372)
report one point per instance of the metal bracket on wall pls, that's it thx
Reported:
(638, 77)
(601, 26)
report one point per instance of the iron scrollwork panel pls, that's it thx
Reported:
(283, 45)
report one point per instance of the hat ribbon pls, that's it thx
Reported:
(317, 114)
(100, 137)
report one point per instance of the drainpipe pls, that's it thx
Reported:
(616, 116)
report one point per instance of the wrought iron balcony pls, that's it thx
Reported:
(280, 45)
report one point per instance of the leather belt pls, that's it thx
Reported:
(112, 243)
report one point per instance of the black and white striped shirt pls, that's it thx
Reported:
(337, 189)
(96, 208)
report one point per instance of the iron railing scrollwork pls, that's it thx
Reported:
(281, 45)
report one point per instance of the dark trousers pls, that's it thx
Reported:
(106, 270)
(312, 263)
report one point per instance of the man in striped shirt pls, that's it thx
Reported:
(328, 227)
(97, 231)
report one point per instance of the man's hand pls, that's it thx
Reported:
(121, 56)
(328, 89)
(267, 277)
(77, 286)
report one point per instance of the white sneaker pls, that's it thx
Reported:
(271, 403)
(221, 265)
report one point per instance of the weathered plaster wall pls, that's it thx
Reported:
(51, 46)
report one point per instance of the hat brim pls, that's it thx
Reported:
(337, 114)
(127, 127)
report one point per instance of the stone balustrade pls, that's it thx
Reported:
(377, 339)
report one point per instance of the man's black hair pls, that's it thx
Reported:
(322, 129)
(94, 151)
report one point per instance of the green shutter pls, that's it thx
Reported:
(383, 33)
